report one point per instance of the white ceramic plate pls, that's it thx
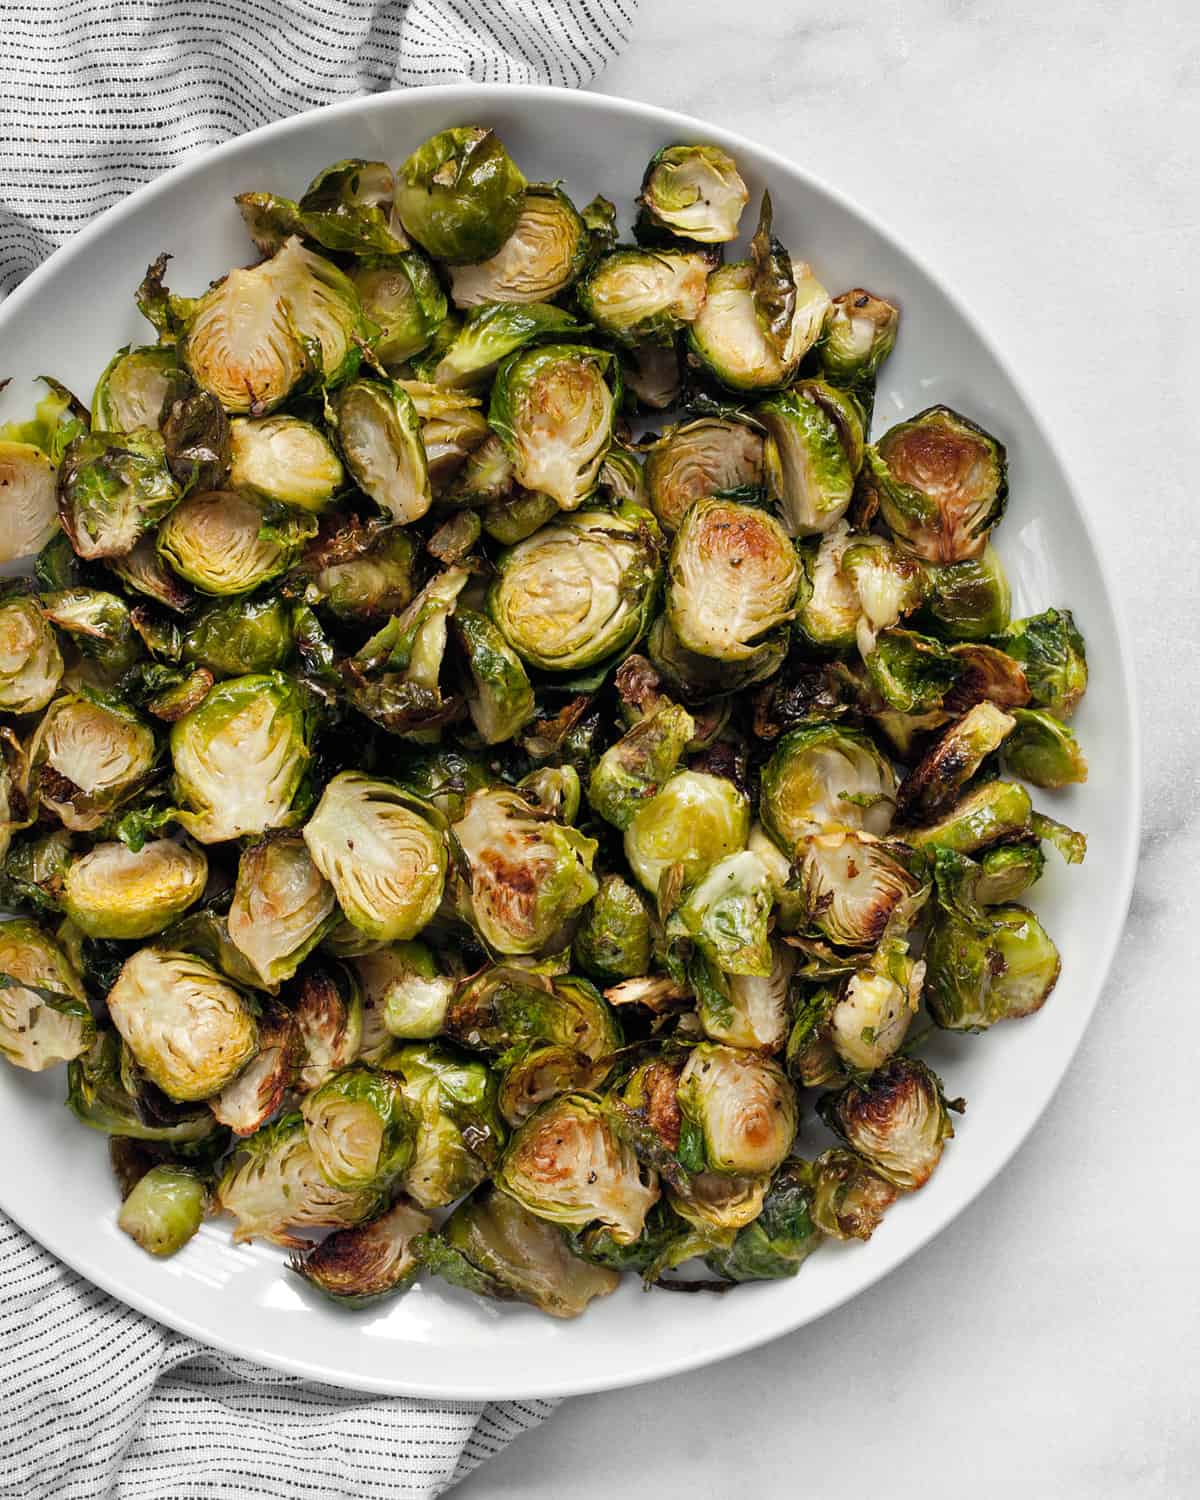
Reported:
(69, 317)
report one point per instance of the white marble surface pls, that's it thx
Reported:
(1043, 155)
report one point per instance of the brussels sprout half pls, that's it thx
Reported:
(553, 409)
(969, 600)
(849, 1199)
(31, 665)
(811, 452)
(822, 779)
(281, 908)
(403, 996)
(402, 296)
(240, 636)
(165, 1209)
(359, 1266)
(732, 577)
(694, 192)
(634, 770)
(697, 459)
(852, 883)
(44, 1018)
(460, 194)
(543, 255)
(111, 892)
(135, 387)
(644, 296)
(256, 1095)
(780, 1240)
(739, 1112)
(347, 207)
(458, 1126)
(385, 860)
(329, 1020)
(693, 822)
(896, 1119)
(29, 482)
(87, 758)
(240, 757)
(112, 488)
(939, 776)
(997, 810)
(578, 590)
(363, 573)
(286, 460)
(505, 1007)
(501, 699)
(728, 337)
(1050, 651)
(1042, 750)
(220, 543)
(749, 1010)
(380, 437)
(981, 972)
(360, 1127)
(727, 912)
(699, 680)
(859, 334)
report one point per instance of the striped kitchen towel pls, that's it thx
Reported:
(97, 97)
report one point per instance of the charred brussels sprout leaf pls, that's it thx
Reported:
(852, 883)
(780, 1240)
(44, 1018)
(112, 488)
(694, 192)
(460, 194)
(111, 892)
(357, 1267)
(640, 296)
(256, 1095)
(1050, 650)
(896, 1119)
(165, 1209)
(546, 251)
(329, 1018)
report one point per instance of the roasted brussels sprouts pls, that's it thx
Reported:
(849, 1200)
(403, 297)
(509, 519)
(852, 883)
(112, 488)
(997, 968)
(501, 699)
(460, 194)
(553, 409)
(221, 543)
(640, 296)
(824, 778)
(566, 1164)
(358, 1266)
(727, 914)
(828, 609)
(144, 571)
(286, 460)
(133, 391)
(443, 775)
(111, 892)
(731, 579)
(505, 1007)
(385, 860)
(240, 636)
(240, 757)
(360, 1127)
(44, 1018)
(275, 1185)
(281, 908)
(780, 1240)
(402, 988)
(459, 1131)
(256, 1095)
(100, 627)
(87, 758)
(329, 1019)
(694, 821)
(701, 679)
(968, 600)
(363, 574)
(380, 436)
(739, 1112)
(694, 192)
(347, 207)
(941, 483)
(543, 255)
(1050, 650)
(859, 334)
(578, 590)
(749, 1010)
(190, 1031)
(633, 770)
(614, 938)
(994, 811)
(492, 332)
(874, 1010)
(1007, 872)
(554, 789)
(527, 873)
(1042, 750)
(809, 465)
(165, 1209)
(896, 1119)
(29, 481)
(535, 1072)
(697, 459)
(718, 1201)
(939, 776)
(889, 584)
(31, 665)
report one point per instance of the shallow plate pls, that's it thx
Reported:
(69, 317)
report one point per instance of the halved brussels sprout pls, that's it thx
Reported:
(527, 873)
(888, 582)
(491, 333)
(896, 1119)
(997, 810)
(501, 700)
(567, 1165)
(849, 1199)
(258, 1092)
(240, 757)
(100, 626)
(380, 436)
(727, 912)
(402, 296)
(852, 883)
(442, 775)
(385, 860)
(449, 439)
(219, 541)
(111, 892)
(329, 1019)
(828, 609)
(728, 336)
(87, 758)
(553, 409)
(692, 191)
(31, 665)
(189, 1030)
(859, 334)
(107, 1092)
(644, 296)
(1050, 650)
(512, 518)
(701, 679)
(165, 1209)
(969, 600)
(555, 790)
(346, 207)
(823, 778)
(44, 1018)
(360, 1127)
(542, 256)
(809, 464)
(634, 770)
(459, 1129)
(275, 1185)
(257, 334)
(578, 590)
(780, 1240)
(536, 1072)
(460, 194)
(732, 577)
(142, 570)
(694, 821)
(361, 1265)
(112, 488)
(912, 673)
(29, 484)
(240, 636)
(717, 1201)
(504, 1007)
(1042, 750)
(941, 483)
(653, 373)
(998, 968)
(281, 908)
(697, 459)
(493, 1246)
(871, 1017)
(286, 460)
(739, 1111)
(1008, 871)
(939, 776)
(135, 387)
(403, 994)
(363, 574)
(750, 1010)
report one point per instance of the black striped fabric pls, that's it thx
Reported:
(96, 98)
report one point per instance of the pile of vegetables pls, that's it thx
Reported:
(435, 779)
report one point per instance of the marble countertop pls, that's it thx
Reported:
(1042, 155)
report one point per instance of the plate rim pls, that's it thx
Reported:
(572, 1383)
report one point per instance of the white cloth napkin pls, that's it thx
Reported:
(97, 97)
